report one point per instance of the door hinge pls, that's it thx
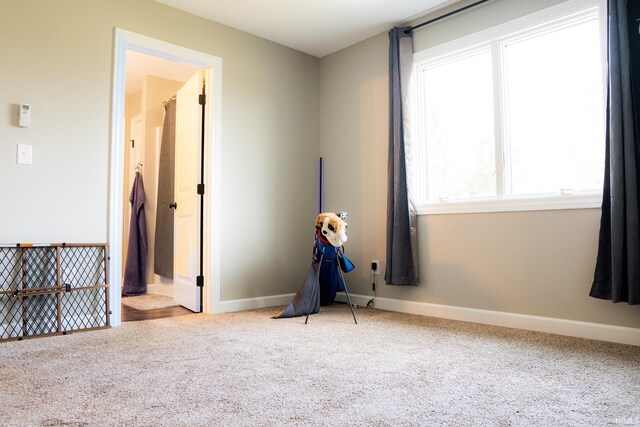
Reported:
(202, 99)
(200, 188)
(200, 281)
(133, 144)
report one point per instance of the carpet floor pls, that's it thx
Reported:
(247, 369)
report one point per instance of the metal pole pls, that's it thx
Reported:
(446, 15)
(346, 291)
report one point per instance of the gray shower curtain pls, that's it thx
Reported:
(163, 253)
(402, 227)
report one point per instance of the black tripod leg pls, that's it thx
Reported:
(313, 289)
(346, 291)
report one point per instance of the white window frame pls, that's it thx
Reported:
(553, 18)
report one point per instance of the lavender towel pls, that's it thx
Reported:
(135, 271)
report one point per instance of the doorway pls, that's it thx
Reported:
(158, 92)
(127, 42)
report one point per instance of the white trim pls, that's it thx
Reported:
(500, 129)
(588, 201)
(253, 303)
(127, 40)
(116, 178)
(214, 178)
(572, 328)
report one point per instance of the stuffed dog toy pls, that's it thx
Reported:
(332, 228)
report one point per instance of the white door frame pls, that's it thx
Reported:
(213, 142)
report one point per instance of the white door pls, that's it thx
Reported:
(187, 176)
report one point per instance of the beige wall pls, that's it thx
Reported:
(132, 107)
(58, 56)
(536, 263)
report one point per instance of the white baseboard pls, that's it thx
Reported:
(152, 288)
(160, 289)
(253, 303)
(573, 328)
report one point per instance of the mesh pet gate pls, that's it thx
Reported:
(53, 289)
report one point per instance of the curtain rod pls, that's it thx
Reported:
(453, 12)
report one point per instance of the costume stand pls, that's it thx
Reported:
(322, 280)
(315, 285)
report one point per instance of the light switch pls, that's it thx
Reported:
(25, 154)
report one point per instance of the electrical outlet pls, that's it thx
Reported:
(375, 266)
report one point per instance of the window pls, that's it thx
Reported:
(513, 118)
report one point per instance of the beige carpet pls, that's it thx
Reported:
(247, 369)
(149, 302)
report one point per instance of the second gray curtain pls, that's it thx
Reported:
(617, 273)
(402, 227)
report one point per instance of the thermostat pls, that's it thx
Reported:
(25, 115)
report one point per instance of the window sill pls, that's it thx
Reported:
(582, 201)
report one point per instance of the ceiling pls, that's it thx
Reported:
(316, 27)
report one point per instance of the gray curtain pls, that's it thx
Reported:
(402, 247)
(163, 253)
(617, 274)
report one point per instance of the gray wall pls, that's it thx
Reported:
(537, 263)
(58, 56)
